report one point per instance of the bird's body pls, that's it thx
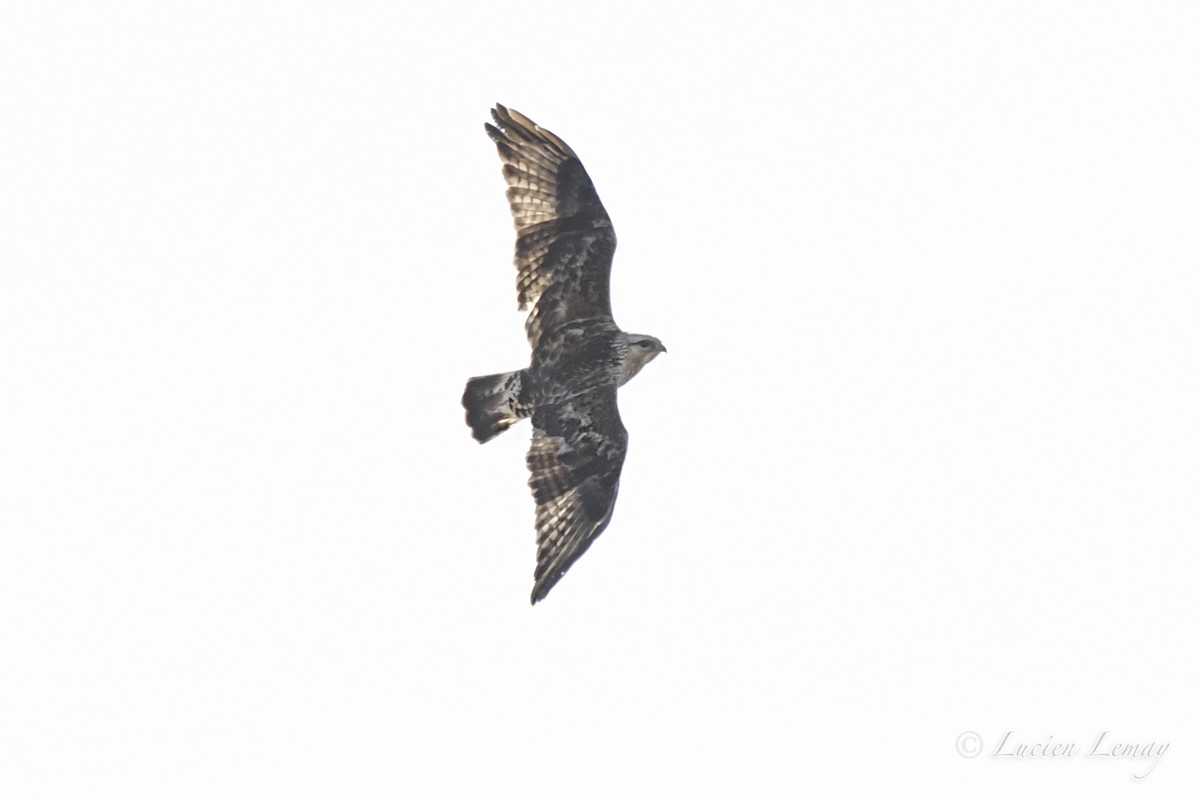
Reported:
(580, 357)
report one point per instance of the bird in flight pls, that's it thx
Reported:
(564, 253)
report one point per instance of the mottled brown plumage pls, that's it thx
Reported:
(564, 252)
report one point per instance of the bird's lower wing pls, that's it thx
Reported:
(574, 471)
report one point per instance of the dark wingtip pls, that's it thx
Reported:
(543, 583)
(494, 133)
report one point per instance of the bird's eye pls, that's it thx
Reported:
(645, 343)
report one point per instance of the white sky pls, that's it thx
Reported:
(922, 458)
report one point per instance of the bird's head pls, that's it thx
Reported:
(640, 350)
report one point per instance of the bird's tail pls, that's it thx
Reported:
(495, 402)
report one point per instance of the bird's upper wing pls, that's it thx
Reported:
(565, 240)
(574, 464)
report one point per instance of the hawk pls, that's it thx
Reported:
(564, 253)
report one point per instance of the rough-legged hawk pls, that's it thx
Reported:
(564, 254)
